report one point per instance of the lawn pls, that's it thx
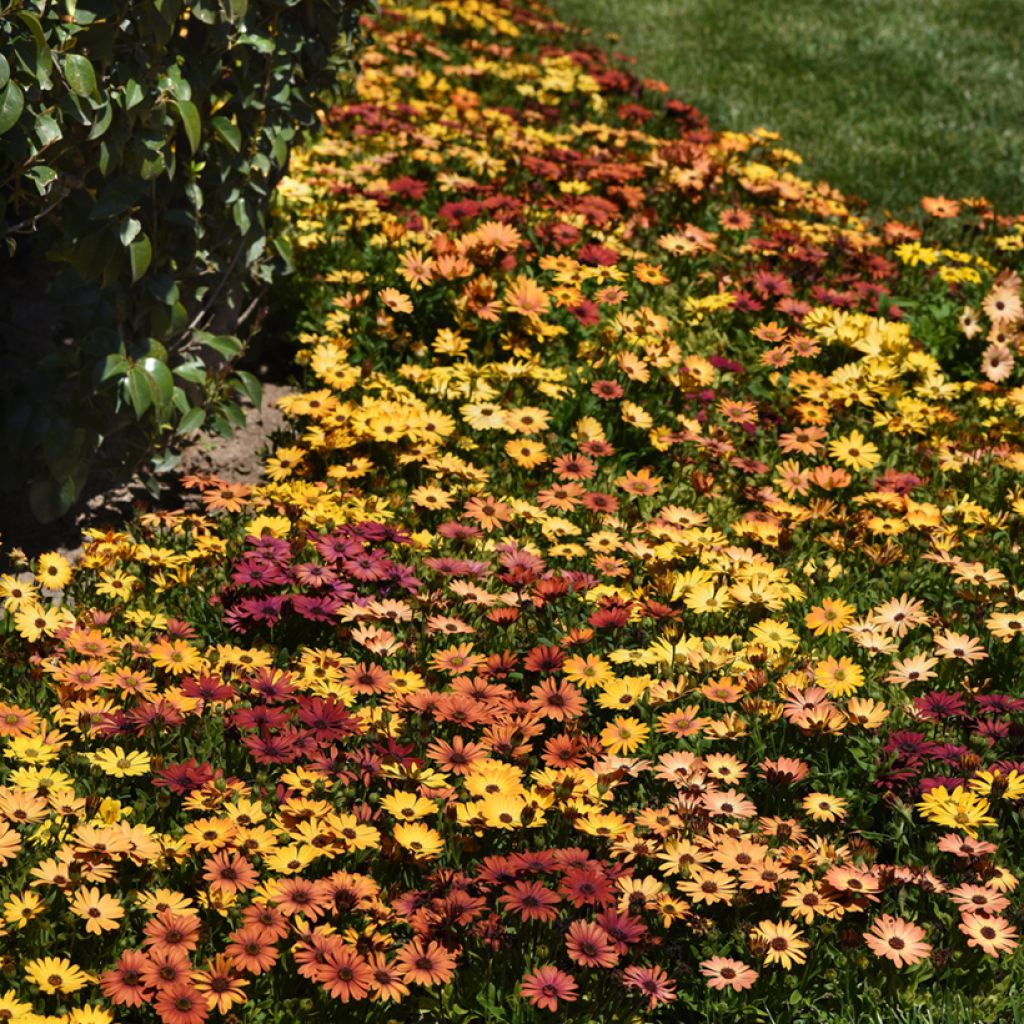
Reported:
(887, 100)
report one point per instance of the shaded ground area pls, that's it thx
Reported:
(237, 459)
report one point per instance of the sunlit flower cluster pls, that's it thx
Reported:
(628, 623)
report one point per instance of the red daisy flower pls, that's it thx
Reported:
(531, 900)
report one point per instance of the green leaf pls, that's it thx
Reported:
(140, 255)
(162, 463)
(80, 75)
(236, 9)
(191, 421)
(227, 132)
(48, 130)
(113, 366)
(233, 413)
(50, 499)
(189, 114)
(12, 103)
(100, 127)
(133, 94)
(161, 383)
(129, 231)
(139, 393)
(179, 400)
(250, 386)
(287, 254)
(42, 177)
(44, 59)
(5, 71)
(227, 345)
(193, 371)
(261, 44)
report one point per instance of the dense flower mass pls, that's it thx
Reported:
(629, 623)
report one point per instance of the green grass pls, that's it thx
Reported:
(886, 99)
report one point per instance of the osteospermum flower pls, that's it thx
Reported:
(651, 982)
(125, 984)
(624, 735)
(425, 963)
(345, 974)
(420, 840)
(722, 972)
(175, 656)
(897, 940)
(101, 911)
(824, 807)
(958, 808)
(169, 931)
(54, 571)
(991, 934)
(121, 764)
(854, 451)
(220, 983)
(782, 942)
(386, 984)
(531, 900)
(547, 986)
(251, 949)
(182, 1003)
(56, 974)
(829, 617)
(587, 944)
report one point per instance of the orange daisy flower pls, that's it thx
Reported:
(992, 935)
(425, 964)
(897, 940)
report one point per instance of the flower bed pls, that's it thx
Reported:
(629, 628)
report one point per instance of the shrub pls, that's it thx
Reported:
(140, 143)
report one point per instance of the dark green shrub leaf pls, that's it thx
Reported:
(161, 382)
(42, 177)
(227, 132)
(133, 94)
(49, 499)
(106, 118)
(80, 75)
(12, 103)
(236, 10)
(129, 231)
(44, 59)
(193, 371)
(250, 386)
(179, 400)
(140, 253)
(5, 71)
(113, 366)
(225, 344)
(48, 130)
(233, 413)
(191, 421)
(190, 121)
(139, 393)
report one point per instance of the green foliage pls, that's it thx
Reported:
(140, 143)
